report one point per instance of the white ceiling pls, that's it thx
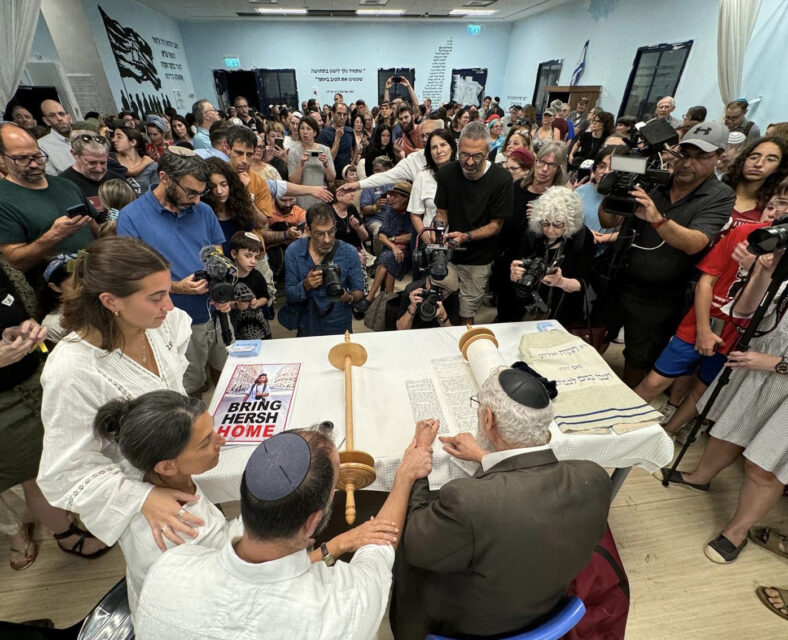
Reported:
(429, 10)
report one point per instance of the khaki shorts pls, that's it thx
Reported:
(473, 283)
(205, 348)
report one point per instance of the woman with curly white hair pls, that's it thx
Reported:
(557, 235)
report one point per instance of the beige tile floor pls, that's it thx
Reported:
(676, 592)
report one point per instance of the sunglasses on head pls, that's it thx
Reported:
(87, 138)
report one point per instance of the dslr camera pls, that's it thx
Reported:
(637, 169)
(769, 239)
(332, 280)
(435, 257)
(428, 307)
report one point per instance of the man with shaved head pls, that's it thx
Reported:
(35, 223)
(56, 144)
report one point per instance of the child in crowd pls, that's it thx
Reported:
(249, 322)
(114, 195)
(58, 280)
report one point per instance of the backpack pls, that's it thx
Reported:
(382, 313)
(604, 589)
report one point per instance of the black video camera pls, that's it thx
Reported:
(638, 168)
(435, 257)
(428, 307)
(332, 280)
(220, 273)
(769, 239)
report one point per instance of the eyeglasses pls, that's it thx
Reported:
(696, 158)
(544, 163)
(473, 401)
(23, 161)
(328, 233)
(87, 138)
(476, 157)
(189, 193)
(555, 225)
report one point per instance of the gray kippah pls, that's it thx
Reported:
(524, 388)
(278, 466)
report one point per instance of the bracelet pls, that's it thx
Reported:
(468, 237)
(657, 225)
(413, 313)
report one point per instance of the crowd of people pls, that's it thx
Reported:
(137, 247)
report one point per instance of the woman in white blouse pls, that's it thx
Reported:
(439, 150)
(125, 339)
(310, 163)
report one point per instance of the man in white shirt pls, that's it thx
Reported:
(56, 144)
(263, 584)
(493, 553)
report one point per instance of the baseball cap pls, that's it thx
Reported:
(403, 188)
(707, 136)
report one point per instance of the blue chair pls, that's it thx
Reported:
(555, 628)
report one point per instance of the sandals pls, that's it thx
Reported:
(29, 553)
(677, 478)
(771, 606)
(769, 539)
(76, 550)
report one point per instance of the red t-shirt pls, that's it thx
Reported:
(737, 219)
(730, 276)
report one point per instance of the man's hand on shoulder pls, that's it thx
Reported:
(464, 447)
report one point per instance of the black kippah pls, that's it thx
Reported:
(278, 466)
(524, 388)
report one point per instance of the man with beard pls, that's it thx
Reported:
(339, 137)
(266, 584)
(491, 554)
(473, 198)
(406, 134)
(23, 117)
(242, 107)
(171, 219)
(56, 144)
(284, 228)
(34, 224)
(89, 171)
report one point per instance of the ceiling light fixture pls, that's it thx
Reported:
(476, 13)
(272, 11)
(379, 12)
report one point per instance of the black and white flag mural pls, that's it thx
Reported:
(132, 52)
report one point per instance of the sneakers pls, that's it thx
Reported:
(722, 551)
(684, 432)
(667, 413)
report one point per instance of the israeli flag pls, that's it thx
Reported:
(581, 65)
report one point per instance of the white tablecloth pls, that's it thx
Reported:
(320, 396)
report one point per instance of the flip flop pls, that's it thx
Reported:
(764, 597)
(29, 553)
(769, 539)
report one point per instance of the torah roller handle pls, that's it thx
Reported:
(472, 335)
(356, 468)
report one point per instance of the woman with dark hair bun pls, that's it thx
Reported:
(167, 438)
(125, 339)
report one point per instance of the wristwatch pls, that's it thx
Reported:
(782, 366)
(327, 557)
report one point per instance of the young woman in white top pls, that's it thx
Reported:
(310, 163)
(439, 149)
(125, 339)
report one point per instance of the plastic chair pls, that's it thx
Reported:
(555, 628)
(110, 618)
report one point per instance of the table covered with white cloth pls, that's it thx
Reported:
(410, 375)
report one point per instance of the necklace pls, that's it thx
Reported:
(144, 349)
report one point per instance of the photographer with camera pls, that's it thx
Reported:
(550, 279)
(674, 223)
(323, 278)
(429, 302)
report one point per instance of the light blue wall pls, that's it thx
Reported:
(43, 45)
(305, 46)
(616, 29)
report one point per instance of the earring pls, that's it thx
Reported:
(116, 312)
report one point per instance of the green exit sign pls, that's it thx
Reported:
(474, 29)
(233, 62)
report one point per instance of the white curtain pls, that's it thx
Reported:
(737, 20)
(18, 19)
